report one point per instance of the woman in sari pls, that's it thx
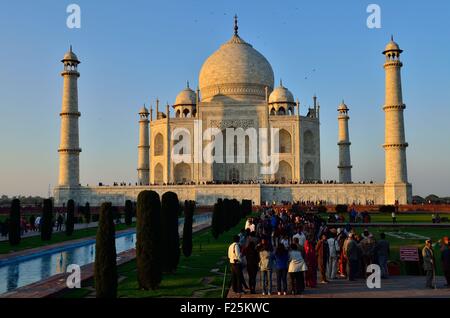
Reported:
(311, 262)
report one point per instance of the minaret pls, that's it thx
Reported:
(143, 148)
(69, 150)
(345, 167)
(397, 188)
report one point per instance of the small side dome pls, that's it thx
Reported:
(392, 46)
(342, 108)
(281, 95)
(143, 110)
(186, 97)
(70, 56)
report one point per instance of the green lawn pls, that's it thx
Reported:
(193, 276)
(57, 237)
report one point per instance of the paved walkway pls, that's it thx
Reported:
(394, 287)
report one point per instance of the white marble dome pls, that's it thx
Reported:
(236, 69)
(185, 97)
(143, 110)
(281, 95)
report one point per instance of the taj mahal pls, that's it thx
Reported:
(237, 92)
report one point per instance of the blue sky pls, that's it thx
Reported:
(135, 51)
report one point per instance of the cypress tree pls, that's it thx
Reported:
(14, 222)
(47, 220)
(87, 212)
(246, 208)
(128, 212)
(216, 224)
(189, 207)
(237, 212)
(148, 240)
(70, 222)
(227, 214)
(105, 267)
(170, 240)
(221, 216)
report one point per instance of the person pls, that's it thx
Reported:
(285, 241)
(382, 252)
(367, 246)
(428, 263)
(322, 258)
(333, 247)
(59, 222)
(301, 236)
(234, 255)
(37, 223)
(342, 256)
(23, 226)
(281, 265)
(394, 217)
(242, 237)
(445, 259)
(247, 223)
(296, 268)
(265, 266)
(32, 224)
(252, 257)
(311, 263)
(352, 257)
(250, 226)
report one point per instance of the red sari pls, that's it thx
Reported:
(311, 262)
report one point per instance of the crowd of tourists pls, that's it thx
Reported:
(301, 248)
(33, 224)
(236, 181)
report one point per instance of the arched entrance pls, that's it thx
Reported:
(182, 173)
(284, 173)
(159, 174)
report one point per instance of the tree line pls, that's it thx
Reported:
(227, 213)
(157, 241)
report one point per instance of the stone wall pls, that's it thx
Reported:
(208, 194)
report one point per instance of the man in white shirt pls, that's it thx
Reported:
(234, 255)
(250, 225)
(333, 247)
(301, 237)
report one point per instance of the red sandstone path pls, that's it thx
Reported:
(394, 287)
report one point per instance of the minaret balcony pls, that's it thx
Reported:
(70, 72)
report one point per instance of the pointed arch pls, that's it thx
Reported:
(285, 141)
(158, 147)
(309, 171)
(308, 142)
(158, 174)
(284, 173)
(182, 173)
(281, 111)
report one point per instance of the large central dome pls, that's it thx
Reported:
(236, 70)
